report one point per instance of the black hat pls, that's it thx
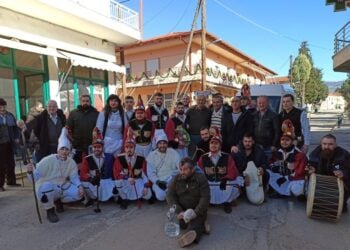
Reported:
(3, 102)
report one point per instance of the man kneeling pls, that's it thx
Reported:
(222, 174)
(96, 172)
(57, 180)
(130, 175)
(190, 192)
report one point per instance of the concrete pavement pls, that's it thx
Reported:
(277, 224)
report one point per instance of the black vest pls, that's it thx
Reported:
(93, 166)
(161, 118)
(294, 117)
(136, 169)
(144, 133)
(215, 172)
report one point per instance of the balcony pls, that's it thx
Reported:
(105, 19)
(341, 57)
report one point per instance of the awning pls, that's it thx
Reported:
(88, 62)
(77, 60)
(14, 44)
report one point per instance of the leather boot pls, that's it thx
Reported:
(59, 206)
(51, 215)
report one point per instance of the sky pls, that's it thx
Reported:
(269, 31)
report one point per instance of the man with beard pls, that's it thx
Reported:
(141, 130)
(176, 132)
(203, 145)
(130, 175)
(248, 151)
(330, 159)
(158, 115)
(96, 172)
(222, 174)
(287, 172)
(81, 122)
(57, 180)
(190, 192)
(186, 100)
(162, 166)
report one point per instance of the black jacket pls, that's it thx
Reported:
(232, 134)
(339, 161)
(266, 129)
(257, 156)
(41, 129)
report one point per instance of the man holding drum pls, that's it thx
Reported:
(330, 159)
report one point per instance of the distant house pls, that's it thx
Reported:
(154, 65)
(334, 102)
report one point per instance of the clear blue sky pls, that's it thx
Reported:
(288, 23)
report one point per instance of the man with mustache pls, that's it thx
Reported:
(330, 159)
(189, 191)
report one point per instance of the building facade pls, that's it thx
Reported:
(154, 65)
(61, 49)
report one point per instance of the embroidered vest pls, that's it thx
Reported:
(136, 169)
(215, 172)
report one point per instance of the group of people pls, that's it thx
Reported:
(192, 157)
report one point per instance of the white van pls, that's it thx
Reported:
(274, 92)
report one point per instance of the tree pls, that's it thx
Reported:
(345, 89)
(315, 90)
(304, 49)
(301, 72)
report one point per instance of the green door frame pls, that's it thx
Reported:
(25, 91)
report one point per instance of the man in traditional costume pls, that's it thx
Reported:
(287, 173)
(178, 137)
(222, 174)
(141, 130)
(162, 166)
(189, 192)
(96, 172)
(330, 159)
(57, 180)
(130, 175)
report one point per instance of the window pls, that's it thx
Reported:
(128, 68)
(151, 66)
(26, 59)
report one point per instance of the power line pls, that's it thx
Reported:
(159, 12)
(265, 28)
(180, 19)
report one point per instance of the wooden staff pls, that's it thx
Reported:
(35, 197)
(139, 203)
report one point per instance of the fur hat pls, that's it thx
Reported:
(97, 137)
(215, 134)
(161, 137)
(139, 104)
(63, 140)
(288, 129)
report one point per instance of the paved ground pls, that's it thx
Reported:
(277, 224)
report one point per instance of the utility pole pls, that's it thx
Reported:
(122, 62)
(204, 49)
(291, 70)
(141, 18)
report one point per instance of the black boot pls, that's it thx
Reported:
(59, 206)
(227, 207)
(124, 204)
(51, 215)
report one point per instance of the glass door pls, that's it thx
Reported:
(30, 90)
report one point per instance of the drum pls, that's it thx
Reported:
(325, 197)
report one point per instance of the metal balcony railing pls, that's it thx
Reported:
(124, 15)
(112, 9)
(342, 38)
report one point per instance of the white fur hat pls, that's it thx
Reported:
(63, 140)
(161, 137)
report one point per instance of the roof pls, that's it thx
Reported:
(210, 37)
